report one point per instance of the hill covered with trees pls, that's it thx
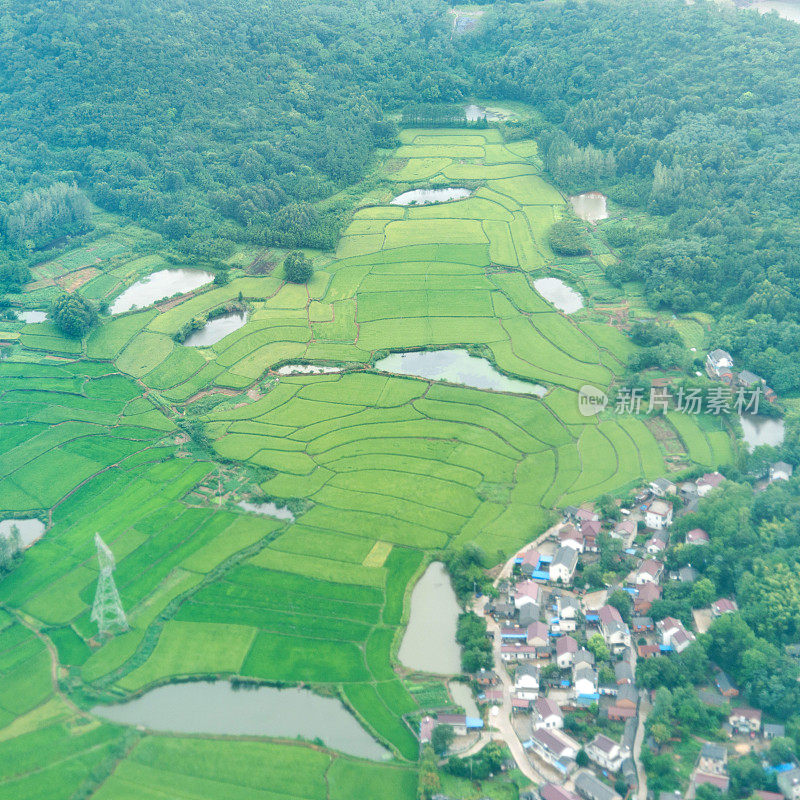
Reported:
(228, 122)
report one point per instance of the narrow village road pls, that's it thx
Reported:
(638, 743)
(502, 720)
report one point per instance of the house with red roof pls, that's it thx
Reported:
(708, 482)
(723, 606)
(649, 571)
(646, 594)
(697, 536)
(566, 647)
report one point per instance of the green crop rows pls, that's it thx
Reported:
(93, 440)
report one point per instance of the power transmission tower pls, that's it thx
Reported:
(107, 610)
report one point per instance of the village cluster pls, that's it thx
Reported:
(568, 654)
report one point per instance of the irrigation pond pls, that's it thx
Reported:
(590, 206)
(760, 430)
(216, 707)
(456, 366)
(158, 286)
(429, 643)
(562, 296)
(30, 530)
(216, 329)
(422, 197)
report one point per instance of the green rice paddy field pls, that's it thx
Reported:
(387, 469)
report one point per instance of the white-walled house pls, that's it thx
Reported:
(526, 682)
(562, 568)
(649, 571)
(547, 714)
(605, 752)
(658, 515)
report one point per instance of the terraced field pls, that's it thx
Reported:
(385, 470)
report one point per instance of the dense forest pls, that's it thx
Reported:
(689, 113)
(228, 122)
(211, 122)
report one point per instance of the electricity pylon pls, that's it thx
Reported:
(107, 610)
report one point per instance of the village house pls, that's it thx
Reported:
(570, 536)
(531, 565)
(582, 658)
(502, 610)
(719, 366)
(649, 571)
(780, 471)
(674, 635)
(723, 606)
(591, 788)
(709, 481)
(568, 608)
(648, 650)
(537, 635)
(590, 530)
(724, 684)
(460, 723)
(686, 574)
(584, 681)
(749, 380)
(697, 536)
(552, 791)
(656, 544)
(721, 782)
(713, 759)
(625, 703)
(661, 487)
(555, 748)
(486, 677)
(773, 730)
(789, 783)
(584, 515)
(624, 530)
(562, 568)
(526, 591)
(605, 752)
(426, 726)
(623, 672)
(647, 592)
(566, 647)
(517, 651)
(642, 624)
(745, 721)
(628, 746)
(546, 714)
(615, 632)
(658, 515)
(526, 682)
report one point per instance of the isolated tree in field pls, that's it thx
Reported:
(442, 738)
(73, 315)
(297, 268)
